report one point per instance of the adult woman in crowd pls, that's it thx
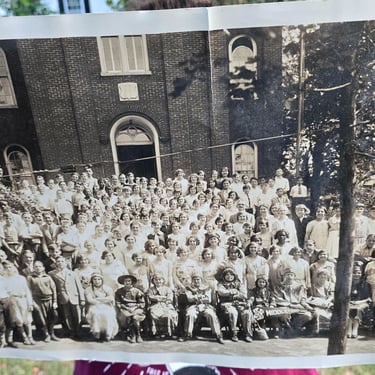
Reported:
(101, 313)
(111, 269)
(162, 266)
(370, 275)
(360, 296)
(283, 222)
(164, 317)
(235, 260)
(20, 305)
(12, 242)
(318, 229)
(366, 250)
(277, 265)
(264, 234)
(84, 271)
(263, 300)
(229, 208)
(140, 269)
(183, 268)
(233, 195)
(192, 194)
(256, 265)
(193, 245)
(334, 232)
(281, 237)
(323, 263)
(300, 267)
(322, 292)
(360, 225)
(218, 252)
(227, 232)
(209, 267)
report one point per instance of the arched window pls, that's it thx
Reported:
(7, 96)
(242, 66)
(242, 54)
(135, 147)
(245, 159)
(18, 163)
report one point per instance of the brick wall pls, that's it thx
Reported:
(74, 107)
(16, 124)
(250, 119)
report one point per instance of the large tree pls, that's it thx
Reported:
(356, 143)
(24, 8)
(337, 130)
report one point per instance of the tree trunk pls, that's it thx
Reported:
(338, 328)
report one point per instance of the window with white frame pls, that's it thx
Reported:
(245, 158)
(18, 163)
(73, 6)
(7, 96)
(123, 55)
(242, 54)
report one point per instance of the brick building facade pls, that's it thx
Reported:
(110, 101)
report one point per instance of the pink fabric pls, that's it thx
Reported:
(116, 368)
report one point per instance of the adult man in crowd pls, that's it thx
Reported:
(70, 296)
(301, 218)
(199, 299)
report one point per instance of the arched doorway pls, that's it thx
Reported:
(245, 158)
(18, 164)
(135, 147)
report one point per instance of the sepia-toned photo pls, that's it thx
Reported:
(182, 193)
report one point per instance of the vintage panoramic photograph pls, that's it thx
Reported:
(186, 193)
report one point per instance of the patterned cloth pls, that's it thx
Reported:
(108, 368)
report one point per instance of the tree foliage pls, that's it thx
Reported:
(338, 131)
(24, 8)
(328, 74)
(121, 5)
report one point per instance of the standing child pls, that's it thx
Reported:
(43, 290)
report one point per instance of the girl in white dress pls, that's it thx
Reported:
(101, 314)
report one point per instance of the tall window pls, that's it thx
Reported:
(123, 55)
(242, 66)
(242, 54)
(7, 96)
(245, 159)
(18, 163)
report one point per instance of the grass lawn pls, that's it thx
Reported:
(26, 367)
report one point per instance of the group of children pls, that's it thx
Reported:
(150, 258)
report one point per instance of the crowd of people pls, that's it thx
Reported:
(138, 258)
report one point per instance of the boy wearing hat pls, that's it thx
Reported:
(199, 304)
(130, 303)
(292, 294)
(234, 303)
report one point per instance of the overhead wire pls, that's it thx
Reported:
(95, 163)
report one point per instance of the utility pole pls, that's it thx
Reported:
(301, 96)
